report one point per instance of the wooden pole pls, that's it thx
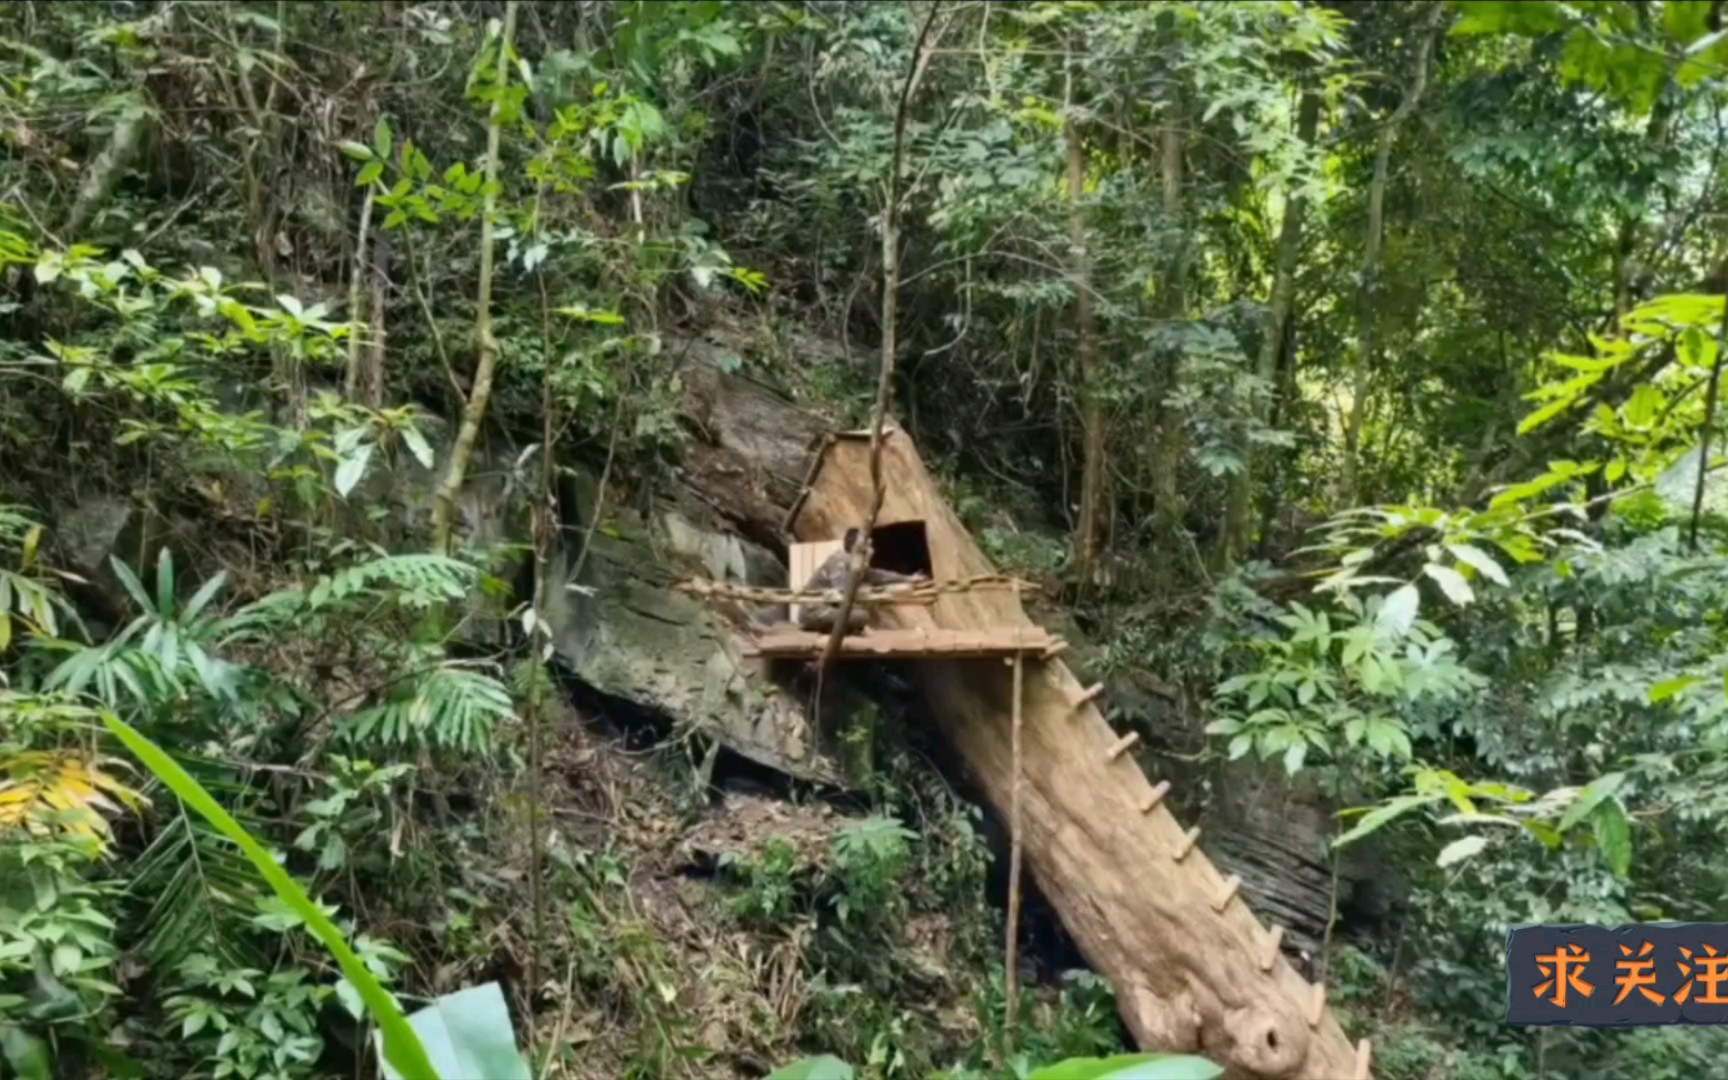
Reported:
(1011, 950)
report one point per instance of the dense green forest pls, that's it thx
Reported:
(1345, 376)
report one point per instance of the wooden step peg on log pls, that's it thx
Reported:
(1120, 746)
(1364, 1051)
(1053, 650)
(1189, 839)
(1226, 894)
(1269, 950)
(1316, 1005)
(1087, 695)
(1155, 796)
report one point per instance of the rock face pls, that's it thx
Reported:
(618, 628)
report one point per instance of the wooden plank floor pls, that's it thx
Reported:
(874, 643)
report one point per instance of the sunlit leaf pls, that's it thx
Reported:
(1589, 797)
(1480, 561)
(1398, 611)
(1613, 833)
(1451, 582)
(1461, 849)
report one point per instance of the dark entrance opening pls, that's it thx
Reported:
(902, 548)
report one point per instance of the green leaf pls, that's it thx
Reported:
(418, 446)
(359, 151)
(1668, 688)
(1131, 1067)
(1613, 835)
(1684, 20)
(1541, 830)
(1398, 611)
(584, 313)
(381, 137)
(206, 592)
(1452, 583)
(1528, 18)
(1381, 815)
(27, 1054)
(1589, 797)
(165, 583)
(1543, 415)
(130, 582)
(1480, 561)
(826, 1067)
(1461, 849)
(353, 467)
(468, 1033)
(402, 1048)
(369, 174)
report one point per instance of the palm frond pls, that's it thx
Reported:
(448, 707)
(417, 579)
(201, 892)
(44, 791)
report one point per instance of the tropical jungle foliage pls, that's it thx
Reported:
(1350, 370)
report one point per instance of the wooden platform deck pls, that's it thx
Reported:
(876, 644)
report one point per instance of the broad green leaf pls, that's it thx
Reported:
(402, 1048)
(1398, 611)
(1452, 583)
(1668, 688)
(825, 1067)
(468, 1033)
(359, 151)
(1461, 849)
(1528, 18)
(1381, 815)
(1684, 20)
(353, 467)
(1613, 835)
(1543, 415)
(1546, 833)
(418, 446)
(369, 174)
(27, 1054)
(1480, 561)
(1131, 1067)
(381, 138)
(1589, 797)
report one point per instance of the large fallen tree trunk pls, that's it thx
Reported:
(1192, 967)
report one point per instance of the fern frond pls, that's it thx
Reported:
(448, 707)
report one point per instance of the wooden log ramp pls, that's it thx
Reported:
(1193, 969)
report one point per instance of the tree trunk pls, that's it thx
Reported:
(1238, 512)
(1367, 338)
(1170, 444)
(474, 412)
(1087, 534)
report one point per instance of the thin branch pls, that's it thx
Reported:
(884, 381)
(1704, 433)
